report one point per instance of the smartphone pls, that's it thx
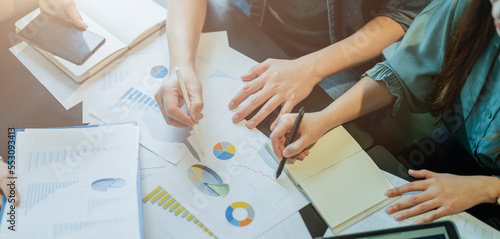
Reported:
(61, 38)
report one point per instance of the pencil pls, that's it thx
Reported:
(188, 106)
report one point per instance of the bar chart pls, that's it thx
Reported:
(165, 200)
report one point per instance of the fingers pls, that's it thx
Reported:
(195, 95)
(169, 100)
(257, 100)
(440, 212)
(296, 147)
(256, 70)
(417, 210)
(267, 109)
(248, 90)
(409, 187)
(422, 173)
(409, 202)
(287, 108)
(74, 14)
(278, 135)
(4, 187)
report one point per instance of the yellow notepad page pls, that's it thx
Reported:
(333, 147)
(347, 189)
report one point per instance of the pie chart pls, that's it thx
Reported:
(224, 150)
(250, 214)
(159, 72)
(207, 181)
(108, 184)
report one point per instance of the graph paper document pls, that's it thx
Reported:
(76, 183)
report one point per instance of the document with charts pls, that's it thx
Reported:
(79, 182)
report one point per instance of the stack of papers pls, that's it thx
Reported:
(77, 182)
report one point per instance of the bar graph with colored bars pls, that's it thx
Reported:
(135, 99)
(163, 199)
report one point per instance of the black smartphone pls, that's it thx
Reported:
(433, 230)
(61, 38)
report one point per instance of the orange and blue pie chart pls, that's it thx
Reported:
(224, 150)
(230, 211)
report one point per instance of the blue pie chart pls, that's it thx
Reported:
(159, 71)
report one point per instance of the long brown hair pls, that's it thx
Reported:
(469, 38)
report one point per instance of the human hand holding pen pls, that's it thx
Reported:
(170, 100)
(311, 129)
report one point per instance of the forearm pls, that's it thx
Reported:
(184, 23)
(492, 188)
(364, 45)
(364, 97)
(10, 8)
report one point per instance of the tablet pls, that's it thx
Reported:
(61, 38)
(434, 230)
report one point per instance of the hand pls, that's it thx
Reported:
(64, 9)
(170, 100)
(310, 131)
(444, 194)
(275, 83)
(5, 190)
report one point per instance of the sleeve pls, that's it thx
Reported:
(402, 11)
(412, 63)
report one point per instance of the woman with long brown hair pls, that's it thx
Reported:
(447, 64)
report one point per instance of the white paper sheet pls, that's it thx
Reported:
(76, 182)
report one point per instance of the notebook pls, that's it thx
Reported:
(123, 23)
(342, 182)
(76, 182)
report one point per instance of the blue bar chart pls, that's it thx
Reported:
(137, 100)
(46, 158)
(37, 192)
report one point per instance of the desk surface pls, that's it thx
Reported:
(25, 103)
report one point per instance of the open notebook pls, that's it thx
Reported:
(123, 23)
(341, 180)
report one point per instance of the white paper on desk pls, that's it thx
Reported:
(248, 178)
(58, 173)
(134, 101)
(467, 225)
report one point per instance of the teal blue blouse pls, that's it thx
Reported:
(412, 64)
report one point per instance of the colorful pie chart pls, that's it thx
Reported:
(240, 223)
(207, 181)
(224, 150)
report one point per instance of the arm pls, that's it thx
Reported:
(364, 97)
(287, 82)
(184, 23)
(442, 194)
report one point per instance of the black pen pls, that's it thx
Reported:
(292, 136)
